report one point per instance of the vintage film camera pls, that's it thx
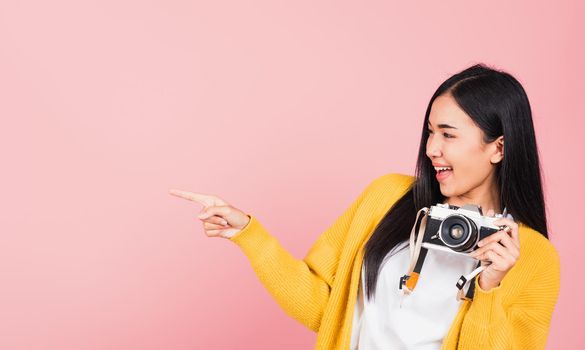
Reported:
(451, 229)
(458, 229)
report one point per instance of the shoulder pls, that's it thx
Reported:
(394, 182)
(380, 195)
(383, 191)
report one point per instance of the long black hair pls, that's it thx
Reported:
(498, 104)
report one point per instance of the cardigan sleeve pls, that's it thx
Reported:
(524, 324)
(300, 287)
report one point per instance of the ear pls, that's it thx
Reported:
(499, 152)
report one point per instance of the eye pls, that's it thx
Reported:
(447, 135)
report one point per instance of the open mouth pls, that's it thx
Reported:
(443, 172)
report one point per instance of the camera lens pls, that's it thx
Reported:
(458, 232)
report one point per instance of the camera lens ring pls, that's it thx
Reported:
(469, 228)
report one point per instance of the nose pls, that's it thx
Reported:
(433, 148)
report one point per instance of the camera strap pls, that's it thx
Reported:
(418, 254)
(471, 279)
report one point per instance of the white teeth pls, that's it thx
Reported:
(443, 168)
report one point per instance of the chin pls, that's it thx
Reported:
(447, 193)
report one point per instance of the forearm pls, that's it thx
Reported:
(299, 290)
(486, 325)
(490, 323)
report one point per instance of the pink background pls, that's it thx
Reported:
(285, 109)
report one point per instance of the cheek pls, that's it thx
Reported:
(470, 165)
(457, 157)
(462, 155)
(465, 162)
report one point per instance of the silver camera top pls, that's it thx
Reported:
(441, 211)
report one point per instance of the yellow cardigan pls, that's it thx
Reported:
(320, 290)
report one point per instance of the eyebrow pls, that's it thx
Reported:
(442, 126)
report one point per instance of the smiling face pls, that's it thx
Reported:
(456, 141)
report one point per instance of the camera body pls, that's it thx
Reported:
(457, 229)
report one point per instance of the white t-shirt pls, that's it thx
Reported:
(426, 314)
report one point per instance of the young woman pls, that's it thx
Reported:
(477, 147)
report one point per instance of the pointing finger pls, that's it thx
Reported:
(195, 197)
(207, 200)
(185, 194)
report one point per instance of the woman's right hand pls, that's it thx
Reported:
(219, 218)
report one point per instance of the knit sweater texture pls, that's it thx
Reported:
(320, 290)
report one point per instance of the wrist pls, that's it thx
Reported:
(486, 285)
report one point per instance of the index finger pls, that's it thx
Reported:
(512, 225)
(192, 196)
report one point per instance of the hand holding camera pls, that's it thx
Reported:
(500, 252)
(492, 239)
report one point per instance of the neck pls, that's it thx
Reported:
(486, 198)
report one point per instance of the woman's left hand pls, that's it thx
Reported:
(498, 252)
